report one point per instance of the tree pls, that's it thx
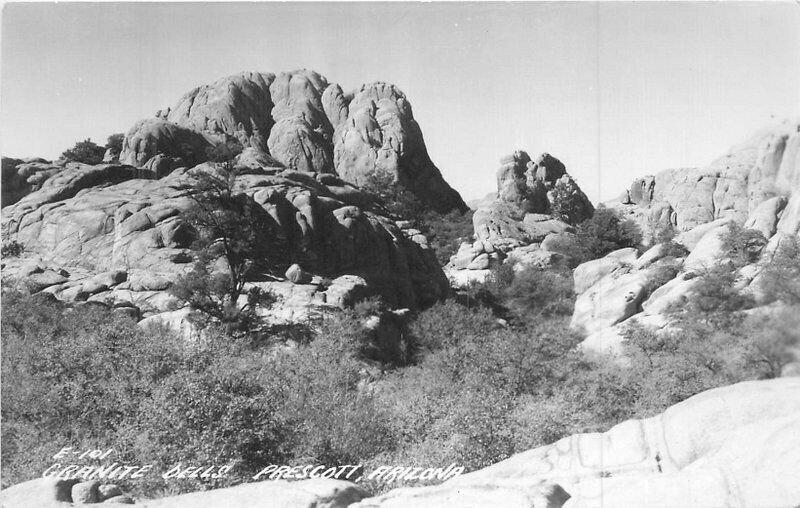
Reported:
(742, 245)
(234, 241)
(398, 200)
(85, 151)
(781, 275)
(114, 142)
(606, 232)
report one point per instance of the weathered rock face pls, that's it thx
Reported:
(381, 135)
(154, 137)
(734, 186)
(755, 185)
(20, 177)
(529, 185)
(521, 218)
(135, 227)
(301, 137)
(302, 122)
(729, 447)
(239, 106)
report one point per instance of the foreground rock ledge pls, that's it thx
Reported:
(731, 447)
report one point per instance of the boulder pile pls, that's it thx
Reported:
(755, 186)
(536, 203)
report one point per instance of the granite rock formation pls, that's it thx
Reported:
(98, 233)
(763, 168)
(756, 185)
(535, 200)
(301, 121)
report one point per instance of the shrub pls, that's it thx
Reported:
(781, 275)
(530, 292)
(71, 376)
(772, 340)
(715, 297)
(606, 232)
(446, 232)
(742, 245)
(670, 366)
(599, 235)
(114, 142)
(568, 203)
(12, 249)
(85, 151)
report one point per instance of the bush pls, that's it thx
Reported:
(71, 376)
(780, 278)
(772, 340)
(606, 232)
(599, 235)
(532, 292)
(715, 297)
(742, 245)
(114, 142)
(12, 249)
(445, 231)
(85, 151)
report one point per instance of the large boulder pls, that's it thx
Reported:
(613, 288)
(380, 135)
(540, 186)
(238, 106)
(154, 136)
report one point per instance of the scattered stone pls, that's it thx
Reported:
(109, 490)
(86, 492)
(297, 275)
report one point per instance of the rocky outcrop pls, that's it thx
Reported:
(536, 200)
(765, 167)
(157, 138)
(23, 176)
(238, 106)
(300, 121)
(302, 136)
(380, 135)
(754, 186)
(135, 227)
(614, 288)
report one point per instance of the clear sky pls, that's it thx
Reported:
(615, 90)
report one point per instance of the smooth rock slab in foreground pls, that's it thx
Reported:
(731, 447)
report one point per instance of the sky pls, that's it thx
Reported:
(615, 90)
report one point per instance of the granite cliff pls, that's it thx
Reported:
(114, 233)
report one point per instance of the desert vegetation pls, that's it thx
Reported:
(446, 231)
(86, 151)
(492, 372)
